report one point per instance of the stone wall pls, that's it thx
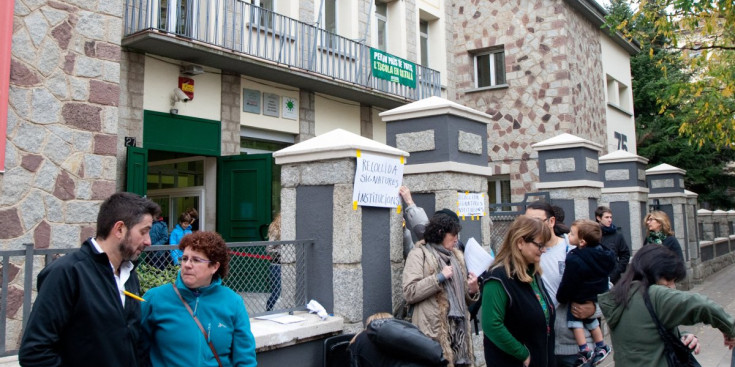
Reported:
(62, 121)
(553, 71)
(62, 135)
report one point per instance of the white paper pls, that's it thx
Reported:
(281, 318)
(476, 258)
(377, 180)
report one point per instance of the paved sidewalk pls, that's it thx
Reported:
(718, 287)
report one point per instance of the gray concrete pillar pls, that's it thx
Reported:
(625, 193)
(667, 193)
(569, 171)
(448, 146)
(354, 268)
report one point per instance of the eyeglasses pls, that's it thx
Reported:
(651, 220)
(540, 246)
(194, 260)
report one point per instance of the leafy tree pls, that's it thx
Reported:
(656, 70)
(701, 34)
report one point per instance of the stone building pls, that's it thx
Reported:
(185, 101)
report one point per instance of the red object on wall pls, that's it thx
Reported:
(187, 85)
(6, 37)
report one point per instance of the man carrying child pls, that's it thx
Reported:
(586, 275)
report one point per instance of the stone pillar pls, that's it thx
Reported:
(448, 146)
(355, 264)
(666, 185)
(624, 178)
(230, 112)
(719, 223)
(569, 171)
(691, 222)
(731, 222)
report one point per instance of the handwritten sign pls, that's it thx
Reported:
(377, 180)
(393, 68)
(470, 204)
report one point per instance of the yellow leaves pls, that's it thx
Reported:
(727, 91)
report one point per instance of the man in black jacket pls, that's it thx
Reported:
(87, 312)
(613, 239)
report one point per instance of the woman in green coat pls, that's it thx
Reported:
(655, 269)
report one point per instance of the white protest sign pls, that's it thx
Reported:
(470, 204)
(377, 180)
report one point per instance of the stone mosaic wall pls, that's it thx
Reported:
(62, 121)
(554, 77)
(62, 135)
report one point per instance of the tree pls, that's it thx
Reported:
(701, 34)
(658, 126)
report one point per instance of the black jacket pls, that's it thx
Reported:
(672, 244)
(585, 274)
(78, 319)
(614, 240)
(525, 320)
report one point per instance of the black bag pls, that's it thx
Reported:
(677, 354)
(405, 341)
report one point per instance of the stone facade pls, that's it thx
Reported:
(62, 144)
(62, 134)
(551, 52)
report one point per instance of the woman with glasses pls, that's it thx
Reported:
(659, 232)
(437, 289)
(517, 312)
(198, 321)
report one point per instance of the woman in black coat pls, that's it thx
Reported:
(659, 232)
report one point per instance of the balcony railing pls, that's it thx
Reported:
(245, 29)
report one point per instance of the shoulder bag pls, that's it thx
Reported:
(677, 354)
(201, 328)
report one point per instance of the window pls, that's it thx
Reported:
(264, 15)
(617, 94)
(381, 15)
(490, 68)
(499, 193)
(329, 15)
(424, 42)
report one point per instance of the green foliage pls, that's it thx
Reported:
(657, 74)
(151, 276)
(701, 36)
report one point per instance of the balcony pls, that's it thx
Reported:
(233, 35)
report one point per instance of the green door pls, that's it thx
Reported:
(137, 171)
(243, 209)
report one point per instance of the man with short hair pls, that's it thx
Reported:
(87, 312)
(613, 239)
(552, 265)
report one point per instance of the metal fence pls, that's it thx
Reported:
(270, 277)
(503, 214)
(239, 27)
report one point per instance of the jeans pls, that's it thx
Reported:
(275, 279)
(566, 361)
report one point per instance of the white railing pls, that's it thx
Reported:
(243, 28)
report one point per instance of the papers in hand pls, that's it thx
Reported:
(476, 258)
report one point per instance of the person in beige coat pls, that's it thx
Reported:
(438, 288)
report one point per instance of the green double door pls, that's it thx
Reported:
(243, 210)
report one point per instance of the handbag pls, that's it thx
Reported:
(201, 328)
(677, 354)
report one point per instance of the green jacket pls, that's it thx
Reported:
(634, 335)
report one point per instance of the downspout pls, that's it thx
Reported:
(6, 37)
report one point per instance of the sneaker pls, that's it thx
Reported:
(584, 358)
(600, 354)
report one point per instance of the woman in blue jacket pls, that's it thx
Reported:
(169, 331)
(182, 229)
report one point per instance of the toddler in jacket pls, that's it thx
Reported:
(586, 274)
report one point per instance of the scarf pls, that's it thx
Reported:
(656, 237)
(609, 230)
(455, 290)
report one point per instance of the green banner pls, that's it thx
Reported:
(395, 69)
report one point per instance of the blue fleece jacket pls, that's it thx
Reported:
(173, 337)
(175, 238)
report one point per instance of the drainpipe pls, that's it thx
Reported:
(6, 36)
